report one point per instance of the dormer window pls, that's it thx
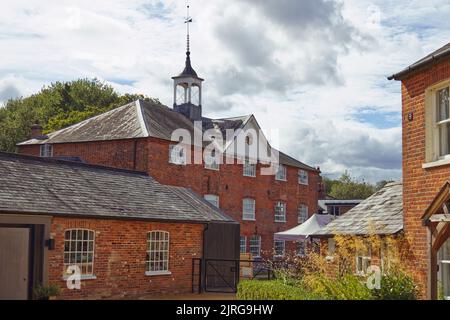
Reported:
(46, 150)
(177, 155)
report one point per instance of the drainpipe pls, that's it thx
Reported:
(203, 262)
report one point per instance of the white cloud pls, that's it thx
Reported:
(307, 67)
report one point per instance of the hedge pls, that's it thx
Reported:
(271, 290)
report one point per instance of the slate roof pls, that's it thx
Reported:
(381, 213)
(62, 188)
(440, 53)
(141, 119)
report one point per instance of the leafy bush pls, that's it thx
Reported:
(348, 287)
(396, 286)
(44, 292)
(272, 290)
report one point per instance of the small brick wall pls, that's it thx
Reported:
(119, 258)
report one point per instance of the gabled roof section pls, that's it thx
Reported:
(34, 185)
(381, 213)
(142, 119)
(439, 54)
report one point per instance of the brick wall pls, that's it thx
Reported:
(420, 186)
(152, 155)
(120, 253)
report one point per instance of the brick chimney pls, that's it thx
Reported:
(36, 131)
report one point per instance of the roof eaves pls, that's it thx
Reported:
(420, 64)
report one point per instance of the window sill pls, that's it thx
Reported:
(251, 220)
(212, 169)
(157, 273)
(282, 180)
(249, 176)
(437, 163)
(280, 221)
(83, 277)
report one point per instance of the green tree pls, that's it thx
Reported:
(347, 187)
(57, 106)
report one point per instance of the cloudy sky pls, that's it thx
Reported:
(315, 70)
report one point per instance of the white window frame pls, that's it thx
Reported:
(243, 244)
(303, 177)
(433, 155)
(363, 261)
(301, 244)
(281, 174)
(280, 217)
(248, 209)
(255, 242)
(211, 161)
(276, 243)
(46, 150)
(78, 249)
(213, 199)
(303, 213)
(177, 155)
(334, 209)
(158, 251)
(331, 249)
(249, 169)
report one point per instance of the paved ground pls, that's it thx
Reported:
(203, 296)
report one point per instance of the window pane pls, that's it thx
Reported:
(443, 104)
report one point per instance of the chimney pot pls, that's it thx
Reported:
(36, 131)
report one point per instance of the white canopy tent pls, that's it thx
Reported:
(306, 229)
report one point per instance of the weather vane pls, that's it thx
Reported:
(188, 21)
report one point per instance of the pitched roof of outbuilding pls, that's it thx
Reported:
(62, 188)
(141, 119)
(381, 213)
(440, 53)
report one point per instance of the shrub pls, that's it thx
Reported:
(44, 292)
(347, 287)
(396, 286)
(272, 290)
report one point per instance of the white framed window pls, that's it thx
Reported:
(302, 213)
(213, 199)
(335, 210)
(177, 155)
(211, 161)
(79, 250)
(281, 173)
(157, 259)
(280, 211)
(248, 209)
(249, 169)
(279, 248)
(301, 248)
(363, 261)
(442, 122)
(255, 246)
(303, 177)
(46, 150)
(243, 244)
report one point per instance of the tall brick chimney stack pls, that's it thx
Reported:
(36, 131)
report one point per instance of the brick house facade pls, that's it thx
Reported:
(138, 137)
(56, 214)
(426, 167)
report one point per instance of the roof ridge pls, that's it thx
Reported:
(10, 155)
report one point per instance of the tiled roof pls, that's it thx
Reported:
(62, 188)
(440, 53)
(381, 213)
(141, 119)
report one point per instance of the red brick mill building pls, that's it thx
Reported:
(138, 136)
(426, 169)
